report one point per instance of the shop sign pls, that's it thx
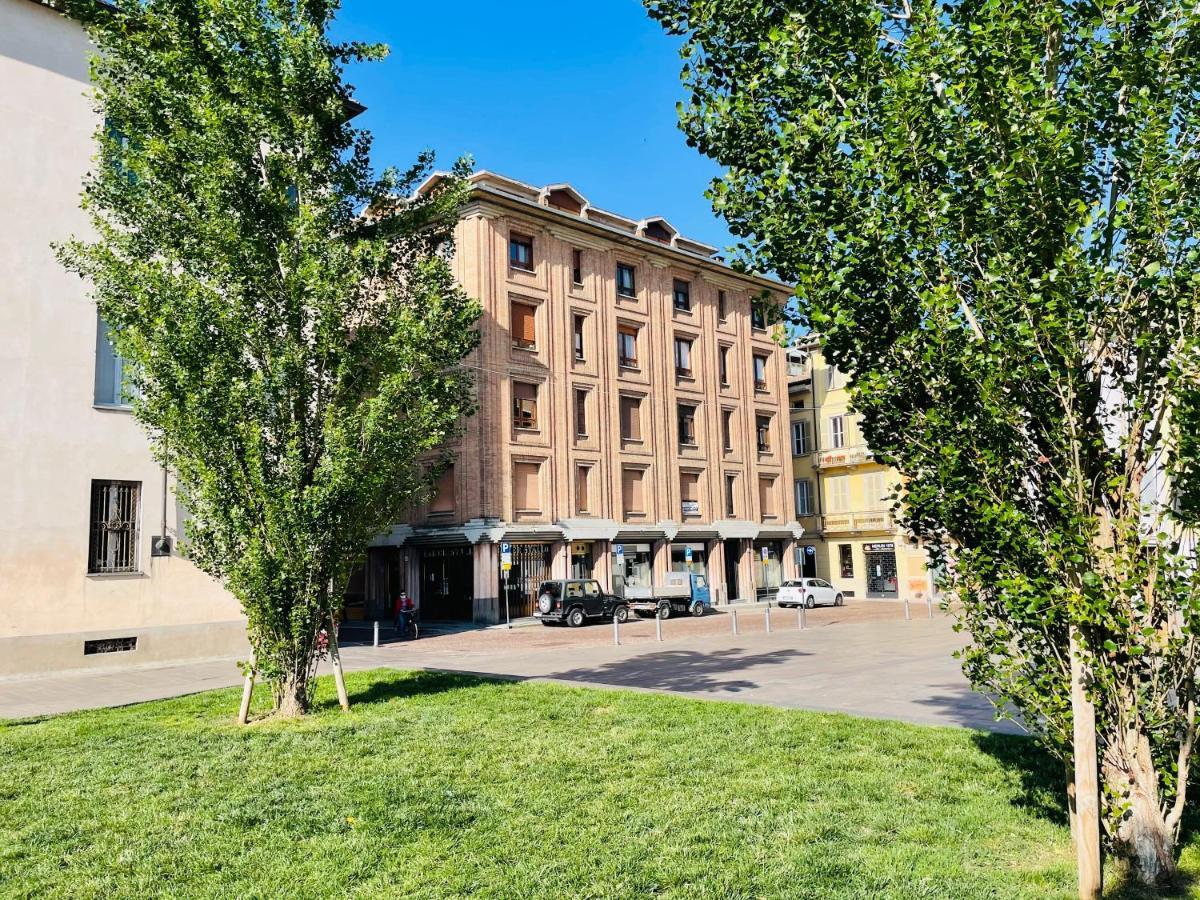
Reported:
(691, 507)
(879, 548)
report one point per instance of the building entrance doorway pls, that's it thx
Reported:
(732, 552)
(530, 567)
(882, 582)
(583, 558)
(808, 561)
(447, 589)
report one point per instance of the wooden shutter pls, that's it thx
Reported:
(523, 331)
(443, 499)
(631, 418)
(583, 502)
(526, 487)
(631, 491)
(766, 496)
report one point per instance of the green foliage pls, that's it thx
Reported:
(294, 329)
(989, 211)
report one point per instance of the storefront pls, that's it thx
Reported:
(519, 585)
(690, 556)
(583, 559)
(632, 566)
(447, 584)
(882, 580)
(768, 568)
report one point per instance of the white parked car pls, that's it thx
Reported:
(810, 592)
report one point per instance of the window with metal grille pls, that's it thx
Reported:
(113, 543)
(109, 645)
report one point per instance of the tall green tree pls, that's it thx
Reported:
(989, 208)
(293, 324)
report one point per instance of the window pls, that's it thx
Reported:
(581, 421)
(846, 558)
(722, 305)
(687, 424)
(443, 497)
(525, 405)
(727, 429)
(837, 494)
(682, 294)
(112, 386)
(527, 488)
(803, 497)
(683, 357)
(837, 432)
(524, 334)
(577, 267)
(583, 493)
(627, 347)
(632, 495)
(724, 366)
(113, 542)
(800, 442)
(760, 372)
(766, 497)
(875, 491)
(520, 252)
(631, 419)
(758, 314)
(578, 331)
(730, 496)
(689, 494)
(762, 426)
(626, 283)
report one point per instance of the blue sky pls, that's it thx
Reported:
(582, 91)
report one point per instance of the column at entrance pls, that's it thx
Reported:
(790, 572)
(487, 583)
(716, 572)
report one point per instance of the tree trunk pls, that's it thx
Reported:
(1143, 836)
(291, 696)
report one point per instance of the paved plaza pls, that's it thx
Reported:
(864, 660)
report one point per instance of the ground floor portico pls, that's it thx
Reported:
(459, 574)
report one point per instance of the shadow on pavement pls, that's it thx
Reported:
(681, 670)
(959, 705)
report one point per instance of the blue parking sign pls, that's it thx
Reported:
(687, 554)
(620, 550)
(505, 548)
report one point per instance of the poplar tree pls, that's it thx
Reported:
(989, 208)
(292, 323)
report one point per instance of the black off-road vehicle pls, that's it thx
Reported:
(575, 601)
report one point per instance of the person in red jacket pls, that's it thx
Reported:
(404, 611)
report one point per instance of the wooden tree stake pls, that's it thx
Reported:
(1086, 820)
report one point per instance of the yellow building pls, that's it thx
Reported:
(851, 537)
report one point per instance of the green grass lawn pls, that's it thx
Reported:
(443, 786)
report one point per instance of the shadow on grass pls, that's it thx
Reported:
(386, 686)
(1043, 793)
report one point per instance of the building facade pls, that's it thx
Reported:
(85, 577)
(842, 495)
(632, 418)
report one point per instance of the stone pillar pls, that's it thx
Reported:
(486, 560)
(662, 561)
(748, 586)
(602, 563)
(790, 570)
(560, 559)
(716, 572)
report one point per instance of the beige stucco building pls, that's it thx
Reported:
(632, 417)
(842, 494)
(82, 499)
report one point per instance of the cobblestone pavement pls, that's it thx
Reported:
(863, 659)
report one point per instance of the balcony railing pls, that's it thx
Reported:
(834, 458)
(852, 523)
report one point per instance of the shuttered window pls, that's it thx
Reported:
(689, 494)
(766, 497)
(730, 496)
(632, 493)
(524, 332)
(727, 429)
(527, 493)
(583, 498)
(581, 418)
(443, 498)
(525, 405)
(631, 419)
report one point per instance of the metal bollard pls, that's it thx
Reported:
(658, 626)
(376, 632)
(929, 602)
(803, 618)
(733, 614)
(907, 614)
(768, 618)
(616, 631)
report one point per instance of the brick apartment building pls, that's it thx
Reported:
(632, 417)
